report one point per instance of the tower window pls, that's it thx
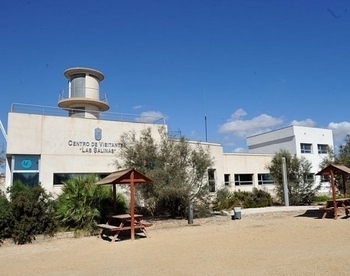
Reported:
(77, 111)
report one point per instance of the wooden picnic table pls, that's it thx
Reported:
(339, 204)
(117, 223)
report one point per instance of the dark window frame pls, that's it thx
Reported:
(59, 178)
(211, 180)
(227, 179)
(263, 180)
(322, 148)
(242, 179)
(305, 148)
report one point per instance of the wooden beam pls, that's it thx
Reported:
(333, 195)
(132, 205)
(114, 200)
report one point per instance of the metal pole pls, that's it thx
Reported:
(205, 117)
(206, 130)
(190, 214)
(285, 183)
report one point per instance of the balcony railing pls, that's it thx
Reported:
(107, 116)
(64, 94)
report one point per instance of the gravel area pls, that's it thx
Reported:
(284, 241)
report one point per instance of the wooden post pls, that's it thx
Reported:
(114, 200)
(132, 204)
(333, 194)
(344, 185)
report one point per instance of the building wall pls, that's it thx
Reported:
(272, 141)
(313, 136)
(66, 144)
(246, 163)
(290, 138)
(73, 145)
(216, 153)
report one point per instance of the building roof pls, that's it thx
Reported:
(337, 169)
(124, 177)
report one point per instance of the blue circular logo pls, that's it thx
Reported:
(26, 163)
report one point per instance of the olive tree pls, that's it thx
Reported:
(342, 157)
(330, 158)
(178, 170)
(301, 185)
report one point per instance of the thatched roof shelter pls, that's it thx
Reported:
(130, 177)
(332, 171)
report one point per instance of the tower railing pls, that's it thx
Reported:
(64, 94)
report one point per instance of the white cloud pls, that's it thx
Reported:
(306, 123)
(340, 130)
(150, 116)
(240, 128)
(137, 107)
(238, 114)
(243, 128)
(240, 150)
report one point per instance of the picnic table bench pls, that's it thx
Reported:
(341, 204)
(109, 229)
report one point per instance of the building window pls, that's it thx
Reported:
(306, 148)
(211, 180)
(309, 177)
(77, 86)
(77, 112)
(26, 178)
(265, 179)
(60, 178)
(26, 169)
(26, 162)
(325, 178)
(227, 179)
(322, 149)
(243, 179)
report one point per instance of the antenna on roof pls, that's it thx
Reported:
(3, 131)
(205, 118)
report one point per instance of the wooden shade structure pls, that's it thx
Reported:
(332, 171)
(130, 177)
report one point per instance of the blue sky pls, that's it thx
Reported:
(248, 66)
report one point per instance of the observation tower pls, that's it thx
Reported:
(82, 100)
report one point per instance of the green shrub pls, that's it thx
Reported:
(227, 200)
(201, 209)
(172, 202)
(105, 202)
(32, 211)
(82, 204)
(321, 198)
(6, 218)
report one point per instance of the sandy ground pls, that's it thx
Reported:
(263, 243)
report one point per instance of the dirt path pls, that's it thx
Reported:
(284, 243)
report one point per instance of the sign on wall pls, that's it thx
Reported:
(98, 145)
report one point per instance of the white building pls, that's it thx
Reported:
(49, 145)
(311, 143)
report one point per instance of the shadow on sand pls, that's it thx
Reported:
(317, 214)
